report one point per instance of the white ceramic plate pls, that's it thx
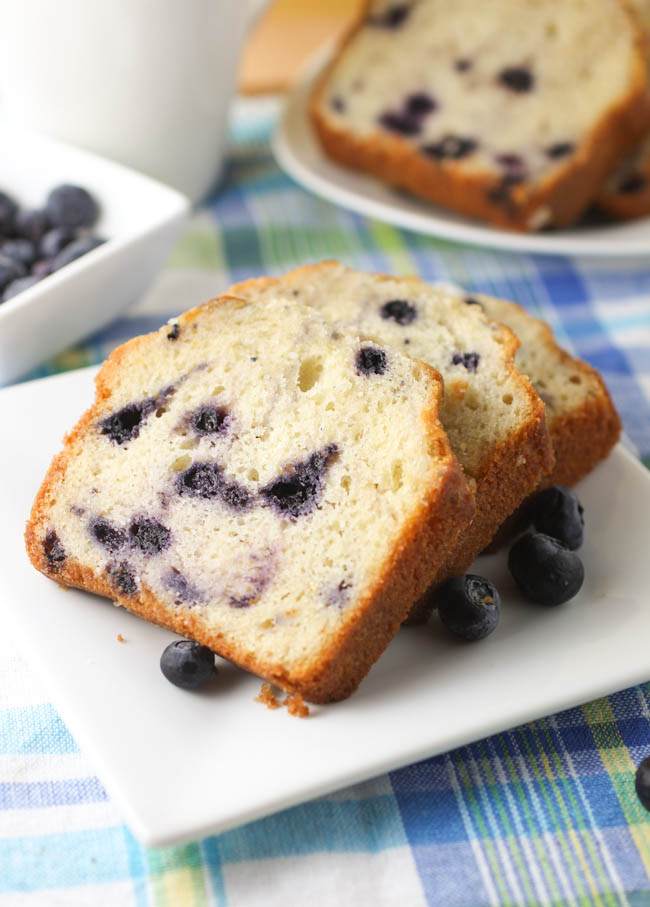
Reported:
(183, 765)
(140, 220)
(298, 152)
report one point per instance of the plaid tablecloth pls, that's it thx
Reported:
(542, 814)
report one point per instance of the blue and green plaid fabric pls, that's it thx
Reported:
(542, 814)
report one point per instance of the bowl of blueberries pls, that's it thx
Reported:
(81, 239)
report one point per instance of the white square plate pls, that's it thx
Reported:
(299, 153)
(140, 219)
(182, 765)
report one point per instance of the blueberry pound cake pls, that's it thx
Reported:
(513, 112)
(493, 417)
(255, 479)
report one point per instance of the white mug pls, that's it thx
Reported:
(143, 82)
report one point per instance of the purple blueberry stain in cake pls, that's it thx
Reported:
(108, 535)
(560, 149)
(453, 147)
(517, 78)
(53, 550)
(175, 331)
(635, 182)
(398, 310)
(463, 65)
(298, 489)
(513, 164)
(125, 424)
(209, 419)
(392, 17)
(337, 103)
(419, 104)
(337, 594)
(148, 536)
(469, 361)
(399, 122)
(123, 577)
(184, 592)
(206, 480)
(371, 360)
(250, 586)
(469, 300)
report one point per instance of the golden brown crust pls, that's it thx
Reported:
(445, 508)
(557, 201)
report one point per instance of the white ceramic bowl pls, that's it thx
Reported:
(140, 220)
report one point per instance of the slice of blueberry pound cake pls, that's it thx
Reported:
(580, 415)
(256, 479)
(493, 417)
(513, 113)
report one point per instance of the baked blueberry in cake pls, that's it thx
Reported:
(514, 112)
(270, 486)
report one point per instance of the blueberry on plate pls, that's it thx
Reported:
(187, 664)
(642, 782)
(71, 206)
(557, 512)
(469, 606)
(545, 571)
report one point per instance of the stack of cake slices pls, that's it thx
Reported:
(522, 113)
(282, 473)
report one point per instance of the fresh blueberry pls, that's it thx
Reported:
(419, 104)
(402, 123)
(21, 250)
(32, 224)
(54, 240)
(517, 78)
(642, 782)
(451, 146)
(469, 606)
(371, 360)
(10, 269)
(633, 183)
(53, 550)
(8, 209)
(398, 310)
(42, 268)
(78, 247)
(296, 492)
(125, 424)
(123, 577)
(560, 149)
(108, 535)
(393, 17)
(71, 206)
(469, 360)
(17, 286)
(545, 571)
(557, 512)
(209, 420)
(149, 536)
(187, 664)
